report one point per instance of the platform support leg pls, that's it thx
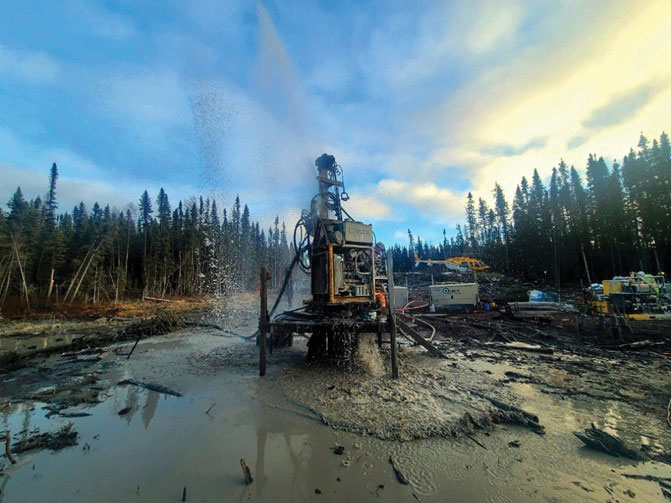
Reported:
(263, 322)
(392, 319)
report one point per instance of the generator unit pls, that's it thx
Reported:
(457, 296)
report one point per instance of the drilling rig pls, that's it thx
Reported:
(348, 277)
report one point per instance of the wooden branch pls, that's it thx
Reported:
(23, 276)
(601, 440)
(156, 299)
(9, 279)
(51, 283)
(83, 275)
(246, 472)
(134, 346)
(74, 278)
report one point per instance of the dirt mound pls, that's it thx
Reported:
(423, 402)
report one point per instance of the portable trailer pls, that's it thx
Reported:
(351, 290)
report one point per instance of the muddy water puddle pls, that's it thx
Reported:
(165, 443)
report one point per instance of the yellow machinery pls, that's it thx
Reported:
(638, 296)
(459, 264)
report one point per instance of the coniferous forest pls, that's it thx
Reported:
(103, 255)
(613, 221)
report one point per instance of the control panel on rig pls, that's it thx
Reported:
(338, 252)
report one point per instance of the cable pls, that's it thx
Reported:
(284, 285)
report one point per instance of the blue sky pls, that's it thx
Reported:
(420, 102)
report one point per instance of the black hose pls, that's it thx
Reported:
(284, 284)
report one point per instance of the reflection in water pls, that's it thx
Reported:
(261, 479)
(131, 401)
(283, 448)
(3, 488)
(132, 396)
(617, 418)
(149, 408)
(26, 423)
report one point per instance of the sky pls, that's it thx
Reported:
(420, 102)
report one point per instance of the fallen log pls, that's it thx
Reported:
(64, 437)
(137, 341)
(598, 439)
(640, 345)
(156, 299)
(150, 386)
(73, 414)
(651, 478)
(540, 316)
(85, 351)
(511, 414)
(200, 324)
(521, 346)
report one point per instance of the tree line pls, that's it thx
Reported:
(567, 229)
(106, 255)
(616, 220)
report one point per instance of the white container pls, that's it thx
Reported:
(400, 297)
(454, 295)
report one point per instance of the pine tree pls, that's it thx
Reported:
(471, 222)
(51, 203)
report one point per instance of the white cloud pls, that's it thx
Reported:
(103, 22)
(367, 207)
(39, 159)
(406, 51)
(429, 200)
(148, 96)
(385, 201)
(491, 25)
(550, 92)
(70, 191)
(28, 66)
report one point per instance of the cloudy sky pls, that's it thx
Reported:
(420, 102)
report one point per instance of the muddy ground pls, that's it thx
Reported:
(191, 405)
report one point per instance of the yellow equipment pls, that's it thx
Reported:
(638, 296)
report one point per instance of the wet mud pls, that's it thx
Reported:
(427, 400)
(314, 432)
